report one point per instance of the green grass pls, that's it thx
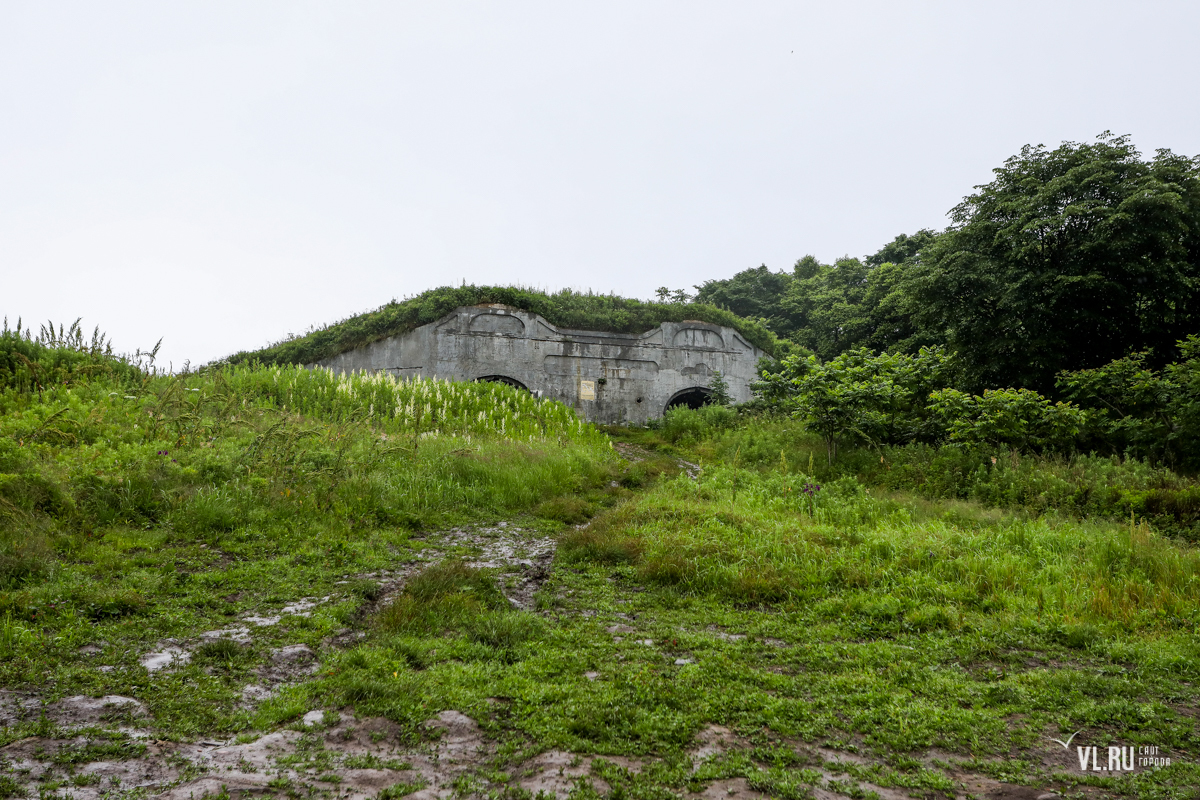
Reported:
(171, 505)
(922, 624)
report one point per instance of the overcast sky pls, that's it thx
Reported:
(222, 174)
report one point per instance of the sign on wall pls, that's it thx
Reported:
(587, 390)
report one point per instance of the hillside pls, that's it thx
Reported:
(277, 581)
(566, 309)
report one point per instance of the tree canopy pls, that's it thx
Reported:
(833, 308)
(1069, 259)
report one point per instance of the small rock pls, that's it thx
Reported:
(679, 662)
(164, 658)
(647, 642)
(83, 710)
(313, 718)
(261, 621)
(88, 650)
(301, 608)
(105, 668)
(239, 634)
(255, 694)
(292, 654)
(1048, 796)
(591, 676)
(620, 629)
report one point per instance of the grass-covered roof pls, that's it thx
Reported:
(566, 309)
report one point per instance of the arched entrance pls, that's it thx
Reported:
(503, 379)
(694, 397)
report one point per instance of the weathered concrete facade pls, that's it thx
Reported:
(606, 377)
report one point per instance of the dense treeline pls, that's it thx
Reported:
(1057, 312)
(1070, 259)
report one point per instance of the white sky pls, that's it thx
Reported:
(222, 174)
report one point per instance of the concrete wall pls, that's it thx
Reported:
(606, 377)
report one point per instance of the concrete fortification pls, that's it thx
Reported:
(605, 377)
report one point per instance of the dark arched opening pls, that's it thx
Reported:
(692, 398)
(503, 379)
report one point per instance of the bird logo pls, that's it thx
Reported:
(1067, 744)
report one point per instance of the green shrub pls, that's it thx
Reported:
(600, 545)
(222, 653)
(109, 603)
(567, 509)
(504, 631)
(31, 491)
(1018, 419)
(444, 596)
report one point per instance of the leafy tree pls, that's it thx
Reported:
(1142, 411)
(904, 249)
(832, 308)
(1016, 418)
(836, 308)
(668, 295)
(755, 293)
(858, 395)
(1069, 259)
(720, 390)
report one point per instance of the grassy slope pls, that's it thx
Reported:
(135, 509)
(874, 620)
(566, 309)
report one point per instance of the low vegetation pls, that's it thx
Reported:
(566, 309)
(933, 613)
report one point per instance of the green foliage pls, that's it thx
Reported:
(1140, 410)
(14, 637)
(398, 790)
(1016, 418)
(406, 408)
(443, 597)
(568, 309)
(752, 294)
(830, 309)
(1079, 485)
(1069, 259)
(882, 600)
(904, 249)
(504, 631)
(719, 395)
(682, 424)
(769, 536)
(59, 357)
(859, 395)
